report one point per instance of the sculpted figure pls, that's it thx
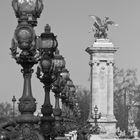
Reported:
(100, 27)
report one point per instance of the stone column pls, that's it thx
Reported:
(95, 85)
(103, 89)
(110, 90)
(91, 81)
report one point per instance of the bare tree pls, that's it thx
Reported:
(83, 100)
(6, 111)
(125, 95)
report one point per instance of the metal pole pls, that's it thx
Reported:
(13, 100)
(125, 111)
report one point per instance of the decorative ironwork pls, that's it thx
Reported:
(97, 116)
(95, 129)
(57, 88)
(24, 51)
(27, 49)
(47, 45)
(89, 129)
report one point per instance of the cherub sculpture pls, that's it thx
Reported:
(100, 27)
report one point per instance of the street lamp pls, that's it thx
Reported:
(25, 39)
(24, 51)
(94, 129)
(65, 75)
(90, 129)
(14, 100)
(68, 102)
(69, 84)
(72, 105)
(47, 45)
(64, 99)
(72, 91)
(29, 49)
(57, 88)
(96, 116)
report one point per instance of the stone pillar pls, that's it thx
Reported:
(103, 89)
(110, 96)
(101, 61)
(95, 85)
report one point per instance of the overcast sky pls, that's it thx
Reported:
(70, 22)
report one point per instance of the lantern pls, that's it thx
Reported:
(65, 74)
(47, 41)
(58, 61)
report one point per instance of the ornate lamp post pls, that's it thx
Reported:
(25, 40)
(28, 49)
(96, 116)
(69, 84)
(90, 129)
(77, 112)
(14, 100)
(57, 88)
(47, 45)
(71, 103)
(75, 109)
(94, 129)
(65, 74)
(72, 98)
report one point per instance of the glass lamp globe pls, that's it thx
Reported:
(72, 89)
(47, 43)
(45, 65)
(58, 61)
(95, 109)
(47, 40)
(69, 83)
(14, 99)
(32, 7)
(27, 5)
(65, 74)
(25, 35)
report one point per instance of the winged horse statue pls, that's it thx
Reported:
(100, 27)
